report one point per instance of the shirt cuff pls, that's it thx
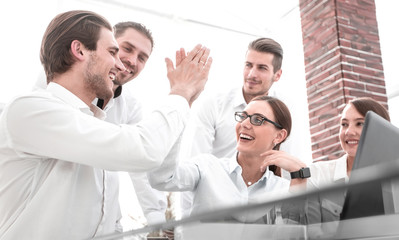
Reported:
(178, 101)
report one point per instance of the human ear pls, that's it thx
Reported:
(277, 75)
(77, 49)
(281, 135)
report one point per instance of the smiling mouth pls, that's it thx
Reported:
(128, 68)
(252, 82)
(112, 76)
(246, 137)
(129, 71)
(352, 142)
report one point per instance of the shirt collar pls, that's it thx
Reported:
(235, 167)
(109, 104)
(233, 164)
(71, 99)
(100, 103)
(238, 99)
(118, 91)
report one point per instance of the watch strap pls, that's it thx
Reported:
(302, 173)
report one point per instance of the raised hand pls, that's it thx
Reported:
(189, 77)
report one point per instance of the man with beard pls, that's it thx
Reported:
(135, 47)
(57, 156)
(135, 43)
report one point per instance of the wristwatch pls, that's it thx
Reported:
(302, 173)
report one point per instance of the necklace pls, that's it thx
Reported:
(249, 183)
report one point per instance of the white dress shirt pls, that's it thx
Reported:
(217, 184)
(126, 109)
(323, 211)
(211, 128)
(328, 172)
(55, 159)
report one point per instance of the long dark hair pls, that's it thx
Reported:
(282, 116)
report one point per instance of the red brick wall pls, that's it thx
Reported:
(342, 61)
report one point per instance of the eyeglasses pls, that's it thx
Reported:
(255, 119)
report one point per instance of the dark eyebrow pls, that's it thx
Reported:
(256, 114)
(356, 119)
(263, 65)
(257, 65)
(262, 115)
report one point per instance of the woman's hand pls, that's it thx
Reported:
(281, 159)
(288, 163)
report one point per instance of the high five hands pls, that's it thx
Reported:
(190, 75)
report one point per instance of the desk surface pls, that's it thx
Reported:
(376, 227)
(239, 231)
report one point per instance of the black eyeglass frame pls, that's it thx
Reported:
(238, 118)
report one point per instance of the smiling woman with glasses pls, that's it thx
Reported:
(245, 177)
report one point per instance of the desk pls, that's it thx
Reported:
(376, 227)
(240, 231)
(371, 228)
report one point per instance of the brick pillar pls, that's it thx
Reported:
(342, 61)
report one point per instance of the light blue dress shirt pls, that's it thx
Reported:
(217, 183)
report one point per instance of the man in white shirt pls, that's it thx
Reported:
(135, 47)
(56, 156)
(213, 122)
(136, 43)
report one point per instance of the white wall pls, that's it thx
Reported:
(23, 23)
(387, 16)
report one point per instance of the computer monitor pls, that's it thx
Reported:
(379, 142)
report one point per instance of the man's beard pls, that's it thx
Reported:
(96, 83)
(117, 80)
